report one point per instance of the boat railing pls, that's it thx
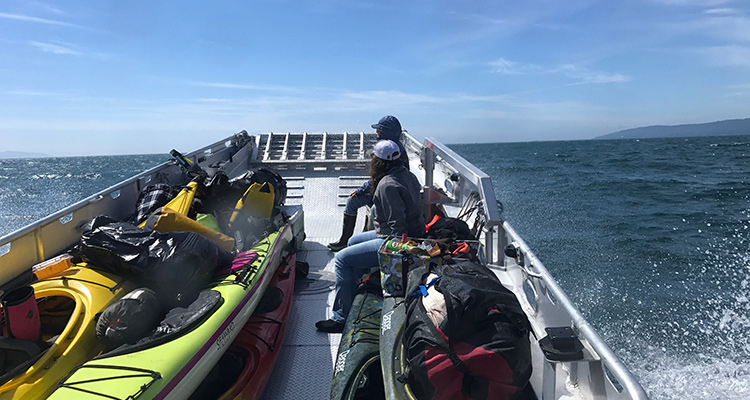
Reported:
(459, 179)
(57, 232)
(547, 303)
(312, 150)
(545, 298)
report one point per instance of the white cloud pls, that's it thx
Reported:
(44, 7)
(741, 90)
(36, 93)
(727, 28)
(577, 72)
(238, 86)
(585, 75)
(303, 111)
(37, 20)
(727, 56)
(507, 67)
(692, 3)
(722, 11)
(54, 48)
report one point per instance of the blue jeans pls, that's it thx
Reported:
(358, 258)
(354, 203)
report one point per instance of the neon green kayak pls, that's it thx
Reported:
(357, 373)
(174, 366)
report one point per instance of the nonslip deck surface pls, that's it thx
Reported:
(305, 365)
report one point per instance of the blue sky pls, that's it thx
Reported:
(114, 77)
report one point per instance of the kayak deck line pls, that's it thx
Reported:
(144, 373)
(266, 320)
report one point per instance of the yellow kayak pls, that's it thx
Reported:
(68, 304)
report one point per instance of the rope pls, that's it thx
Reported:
(143, 373)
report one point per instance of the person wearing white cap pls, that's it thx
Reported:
(397, 209)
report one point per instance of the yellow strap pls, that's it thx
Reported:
(171, 221)
(182, 202)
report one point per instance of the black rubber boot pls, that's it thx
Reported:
(329, 326)
(346, 233)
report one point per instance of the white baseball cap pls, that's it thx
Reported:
(387, 150)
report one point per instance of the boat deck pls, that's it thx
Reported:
(321, 170)
(305, 365)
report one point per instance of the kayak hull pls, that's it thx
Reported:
(357, 368)
(87, 292)
(175, 368)
(392, 349)
(258, 344)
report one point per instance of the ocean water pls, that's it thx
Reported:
(33, 188)
(649, 238)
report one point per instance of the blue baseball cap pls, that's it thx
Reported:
(389, 127)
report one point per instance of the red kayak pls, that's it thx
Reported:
(248, 362)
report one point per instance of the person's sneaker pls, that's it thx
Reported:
(329, 326)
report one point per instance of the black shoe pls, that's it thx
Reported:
(329, 326)
(336, 246)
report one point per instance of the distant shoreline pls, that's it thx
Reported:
(731, 127)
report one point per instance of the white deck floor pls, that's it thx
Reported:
(305, 364)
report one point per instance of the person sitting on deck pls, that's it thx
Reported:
(387, 128)
(396, 210)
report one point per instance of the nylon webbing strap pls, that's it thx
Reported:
(439, 339)
(422, 289)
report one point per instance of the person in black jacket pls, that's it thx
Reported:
(387, 128)
(397, 210)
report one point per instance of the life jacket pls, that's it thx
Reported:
(256, 202)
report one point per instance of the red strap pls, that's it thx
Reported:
(434, 220)
(463, 247)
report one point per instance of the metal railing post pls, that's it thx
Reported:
(428, 163)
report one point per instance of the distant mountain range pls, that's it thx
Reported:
(721, 128)
(20, 154)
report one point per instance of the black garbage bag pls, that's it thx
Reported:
(449, 228)
(215, 194)
(175, 323)
(116, 246)
(176, 265)
(221, 194)
(181, 265)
